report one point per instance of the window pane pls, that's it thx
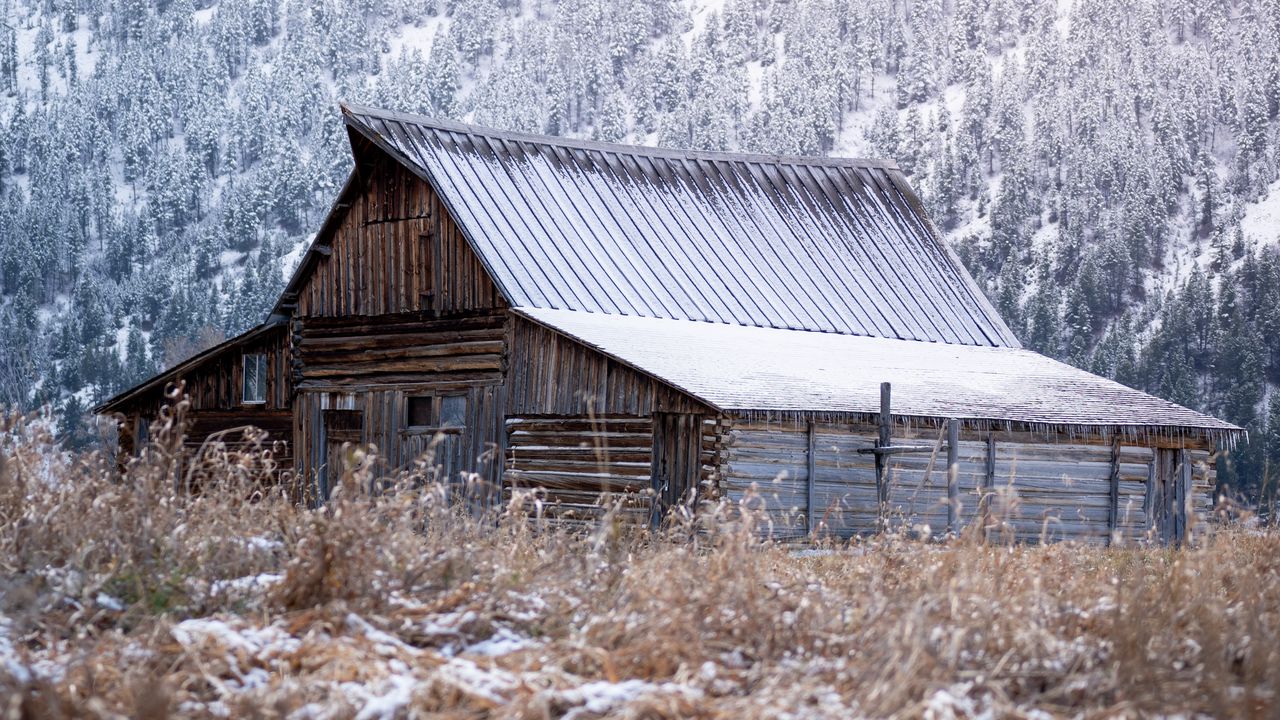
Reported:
(453, 411)
(420, 411)
(255, 378)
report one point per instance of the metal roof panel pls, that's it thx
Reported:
(824, 244)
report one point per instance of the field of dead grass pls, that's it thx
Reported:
(121, 597)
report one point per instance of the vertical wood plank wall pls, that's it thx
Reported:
(551, 374)
(396, 251)
(1042, 490)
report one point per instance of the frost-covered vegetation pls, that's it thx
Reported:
(1107, 169)
(122, 597)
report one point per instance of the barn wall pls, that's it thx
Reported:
(396, 250)
(374, 364)
(450, 455)
(214, 389)
(581, 465)
(550, 374)
(216, 383)
(1039, 490)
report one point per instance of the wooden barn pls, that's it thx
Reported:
(592, 320)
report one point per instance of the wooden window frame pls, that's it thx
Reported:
(437, 404)
(244, 378)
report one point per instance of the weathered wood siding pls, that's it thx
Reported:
(400, 349)
(215, 391)
(550, 374)
(680, 459)
(580, 465)
(1039, 489)
(374, 364)
(395, 251)
(217, 384)
(451, 455)
(765, 469)
(845, 500)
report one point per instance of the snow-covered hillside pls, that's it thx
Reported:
(1107, 170)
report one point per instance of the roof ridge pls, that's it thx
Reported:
(352, 111)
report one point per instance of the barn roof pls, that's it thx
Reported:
(779, 372)
(831, 245)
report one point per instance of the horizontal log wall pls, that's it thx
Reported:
(550, 374)
(1039, 491)
(1133, 520)
(765, 470)
(845, 500)
(397, 250)
(918, 483)
(581, 465)
(400, 349)
(1204, 482)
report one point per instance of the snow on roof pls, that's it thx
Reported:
(739, 368)
(825, 244)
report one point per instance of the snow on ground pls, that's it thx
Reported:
(290, 260)
(417, 36)
(1261, 221)
(702, 10)
(388, 672)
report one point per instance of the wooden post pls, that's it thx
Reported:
(1184, 492)
(882, 460)
(809, 492)
(953, 471)
(1113, 508)
(988, 484)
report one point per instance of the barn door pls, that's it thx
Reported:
(1170, 488)
(677, 461)
(340, 427)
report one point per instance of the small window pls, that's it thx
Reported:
(421, 411)
(436, 412)
(453, 411)
(255, 379)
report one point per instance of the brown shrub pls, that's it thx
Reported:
(134, 595)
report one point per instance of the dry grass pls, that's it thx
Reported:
(122, 597)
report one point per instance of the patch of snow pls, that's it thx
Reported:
(396, 693)
(601, 697)
(957, 702)
(263, 645)
(701, 12)
(104, 600)
(492, 684)
(262, 543)
(290, 260)
(10, 663)
(227, 258)
(384, 643)
(247, 584)
(1261, 220)
(503, 642)
(417, 36)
